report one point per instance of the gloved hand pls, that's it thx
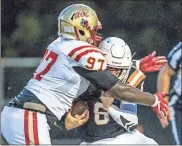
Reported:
(152, 63)
(160, 106)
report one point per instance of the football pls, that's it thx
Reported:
(79, 107)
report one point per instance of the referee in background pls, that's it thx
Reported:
(174, 96)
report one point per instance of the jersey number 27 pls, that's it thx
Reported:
(47, 62)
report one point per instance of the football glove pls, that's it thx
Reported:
(152, 63)
(160, 105)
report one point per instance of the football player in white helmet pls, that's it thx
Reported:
(114, 121)
(69, 65)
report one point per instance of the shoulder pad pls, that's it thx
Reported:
(136, 77)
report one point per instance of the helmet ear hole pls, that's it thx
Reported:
(81, 32)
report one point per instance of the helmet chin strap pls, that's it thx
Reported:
(124, 74)
(90, 41)
(94, 39)
(94, 42)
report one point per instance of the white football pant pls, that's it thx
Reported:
(134, 137)
(19, 126)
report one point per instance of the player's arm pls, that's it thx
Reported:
(164, 76)
(127, 120)
(127, 115)
(129, 93)
(114, 88)
(69, 122)
(163, 80)
(163, 84)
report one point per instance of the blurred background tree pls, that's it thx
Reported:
(29, 26)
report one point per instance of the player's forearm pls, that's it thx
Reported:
(164, 78)
(115, 115)
(106, 81)
(163, 81)
(131, 94)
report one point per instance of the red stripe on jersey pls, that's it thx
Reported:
(77, 49)
(84, 53)
(26, 134)
(35, 129)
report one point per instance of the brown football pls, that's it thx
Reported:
(79, 107)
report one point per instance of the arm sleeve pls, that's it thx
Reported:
(174, 57)
(127, 120)
(104, 80)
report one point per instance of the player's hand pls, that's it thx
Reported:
(165, 121)
(160, 106)
(106, 101)
(74, 122)
(152, 63)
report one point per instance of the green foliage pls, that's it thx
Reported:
(144, 25)
(6, 44)
(29, 29)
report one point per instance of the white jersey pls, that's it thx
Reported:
(55, 83)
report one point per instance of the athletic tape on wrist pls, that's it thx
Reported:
(156, 101)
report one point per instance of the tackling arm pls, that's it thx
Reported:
(130, 94)
(114, 88)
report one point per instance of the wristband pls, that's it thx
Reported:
(156, 101)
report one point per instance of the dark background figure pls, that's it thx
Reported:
(172, 70)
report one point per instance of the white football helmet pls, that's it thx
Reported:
(118, 56)
(117, 52)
